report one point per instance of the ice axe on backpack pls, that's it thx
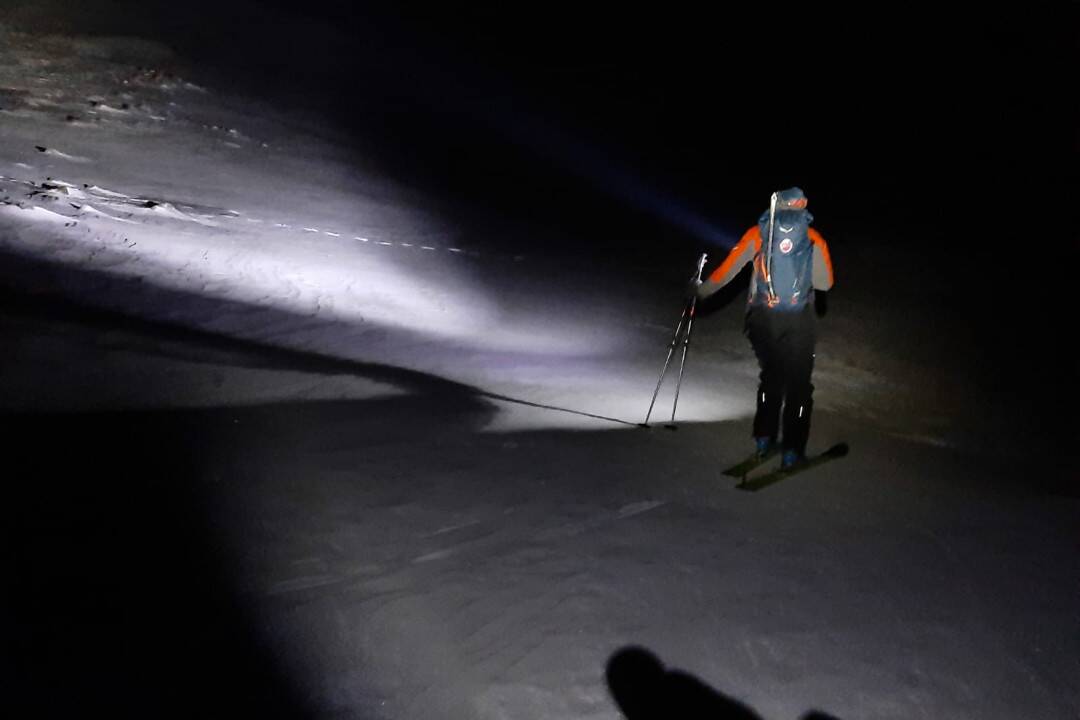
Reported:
(687, 317)
(773, 299)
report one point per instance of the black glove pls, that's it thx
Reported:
(692, 292)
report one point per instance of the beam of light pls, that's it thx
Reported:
(325, 278)
(609, 175)
(539, 132)
(543, 365)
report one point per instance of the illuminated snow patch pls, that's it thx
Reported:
(355, 286)
(94, 211)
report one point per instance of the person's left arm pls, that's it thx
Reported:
(823, 269)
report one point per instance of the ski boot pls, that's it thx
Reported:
(764, 446)
(791, 458)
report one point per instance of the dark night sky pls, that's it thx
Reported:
(716, 106)
(721, 104)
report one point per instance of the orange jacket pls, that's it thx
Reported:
(748, 249)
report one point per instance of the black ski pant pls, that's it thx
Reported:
(783, 341)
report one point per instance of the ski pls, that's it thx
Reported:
(740, 470)
(771, 478)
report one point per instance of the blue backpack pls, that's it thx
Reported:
(783, 270)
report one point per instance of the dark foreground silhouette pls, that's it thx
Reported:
(645, 690)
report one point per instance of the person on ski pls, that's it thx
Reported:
(790, 261)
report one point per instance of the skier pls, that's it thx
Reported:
(790, 261)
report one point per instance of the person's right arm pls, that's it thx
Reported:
(740, 255)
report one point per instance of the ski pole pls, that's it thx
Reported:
(686, 340)
(688, 309)
(671, 349)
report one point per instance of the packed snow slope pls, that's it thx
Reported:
(290, 438)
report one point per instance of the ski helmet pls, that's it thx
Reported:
(791, 198)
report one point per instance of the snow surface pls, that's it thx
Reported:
(429, 489)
